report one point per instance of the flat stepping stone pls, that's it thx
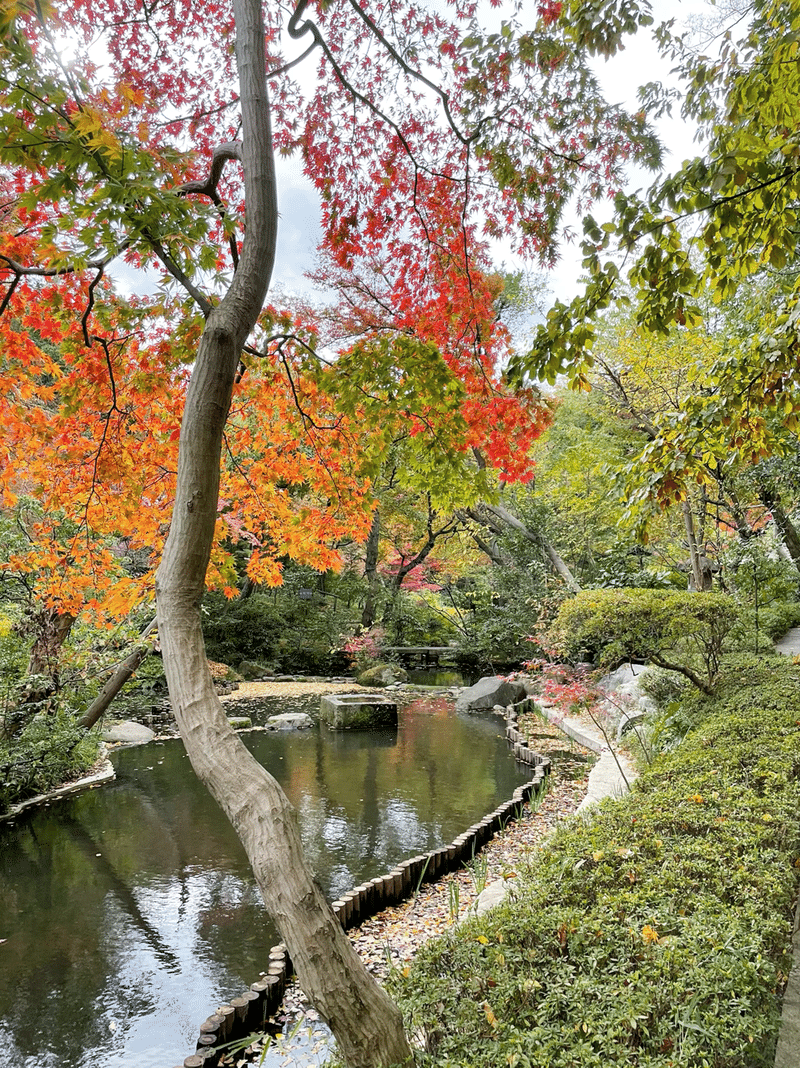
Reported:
(290, 721)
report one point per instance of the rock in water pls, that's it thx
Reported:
(290, 721)
(487, 692)
(128, 733)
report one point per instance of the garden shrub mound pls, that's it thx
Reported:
(657, 932)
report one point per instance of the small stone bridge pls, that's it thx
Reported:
(424, 655)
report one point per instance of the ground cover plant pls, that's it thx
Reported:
(655, 932)
(50, 750)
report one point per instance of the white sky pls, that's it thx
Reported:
(299, 230)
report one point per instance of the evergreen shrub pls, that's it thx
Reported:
(654, 932)
(682, 631)
(50, 751)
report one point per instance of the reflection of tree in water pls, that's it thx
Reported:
(166, 922)
(62, 980)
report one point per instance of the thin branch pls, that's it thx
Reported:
(200, 299)
(220, 156)
(55, 272)
(375, 29)
(10, 293)
(88, 311)
(208, 186)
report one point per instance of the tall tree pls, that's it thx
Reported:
(425, 135)
(725, 217)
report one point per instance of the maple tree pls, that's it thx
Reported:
(154, 145)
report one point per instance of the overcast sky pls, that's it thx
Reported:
(299, 230)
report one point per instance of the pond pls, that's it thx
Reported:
(128, 913)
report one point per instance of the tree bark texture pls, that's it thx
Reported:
(697, 580)
(52, 630)
(365, 1022)
(371, 570)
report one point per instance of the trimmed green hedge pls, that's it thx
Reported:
(656, 932)
(679, 630)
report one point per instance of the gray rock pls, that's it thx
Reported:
(128, 733)
(491, 896)
(290, 721)
(240, 722)
(250, 670)
(488, 692)
(627, 703)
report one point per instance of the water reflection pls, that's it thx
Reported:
(129, 912)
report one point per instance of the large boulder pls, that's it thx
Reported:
(250, 670)
(627, 704)
(487, 692)
(382, 675)
(128, 733)
(357, 711)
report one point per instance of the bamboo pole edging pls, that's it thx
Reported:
(261, 1002)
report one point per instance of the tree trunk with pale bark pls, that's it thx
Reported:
(365, 1022)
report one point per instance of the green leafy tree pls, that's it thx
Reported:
(725, 217)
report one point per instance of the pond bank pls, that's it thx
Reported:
(101, 772)
(391, 939)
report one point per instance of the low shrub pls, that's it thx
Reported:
(677, 630)
(50, 751)
(655, 932)
(777, 618)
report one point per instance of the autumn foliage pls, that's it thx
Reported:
(425, 135)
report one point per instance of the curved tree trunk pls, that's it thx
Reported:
(556, 561)
(365, 1022)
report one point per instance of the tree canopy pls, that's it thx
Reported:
(147, 135)
(702, 233)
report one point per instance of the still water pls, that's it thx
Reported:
(128, 912)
